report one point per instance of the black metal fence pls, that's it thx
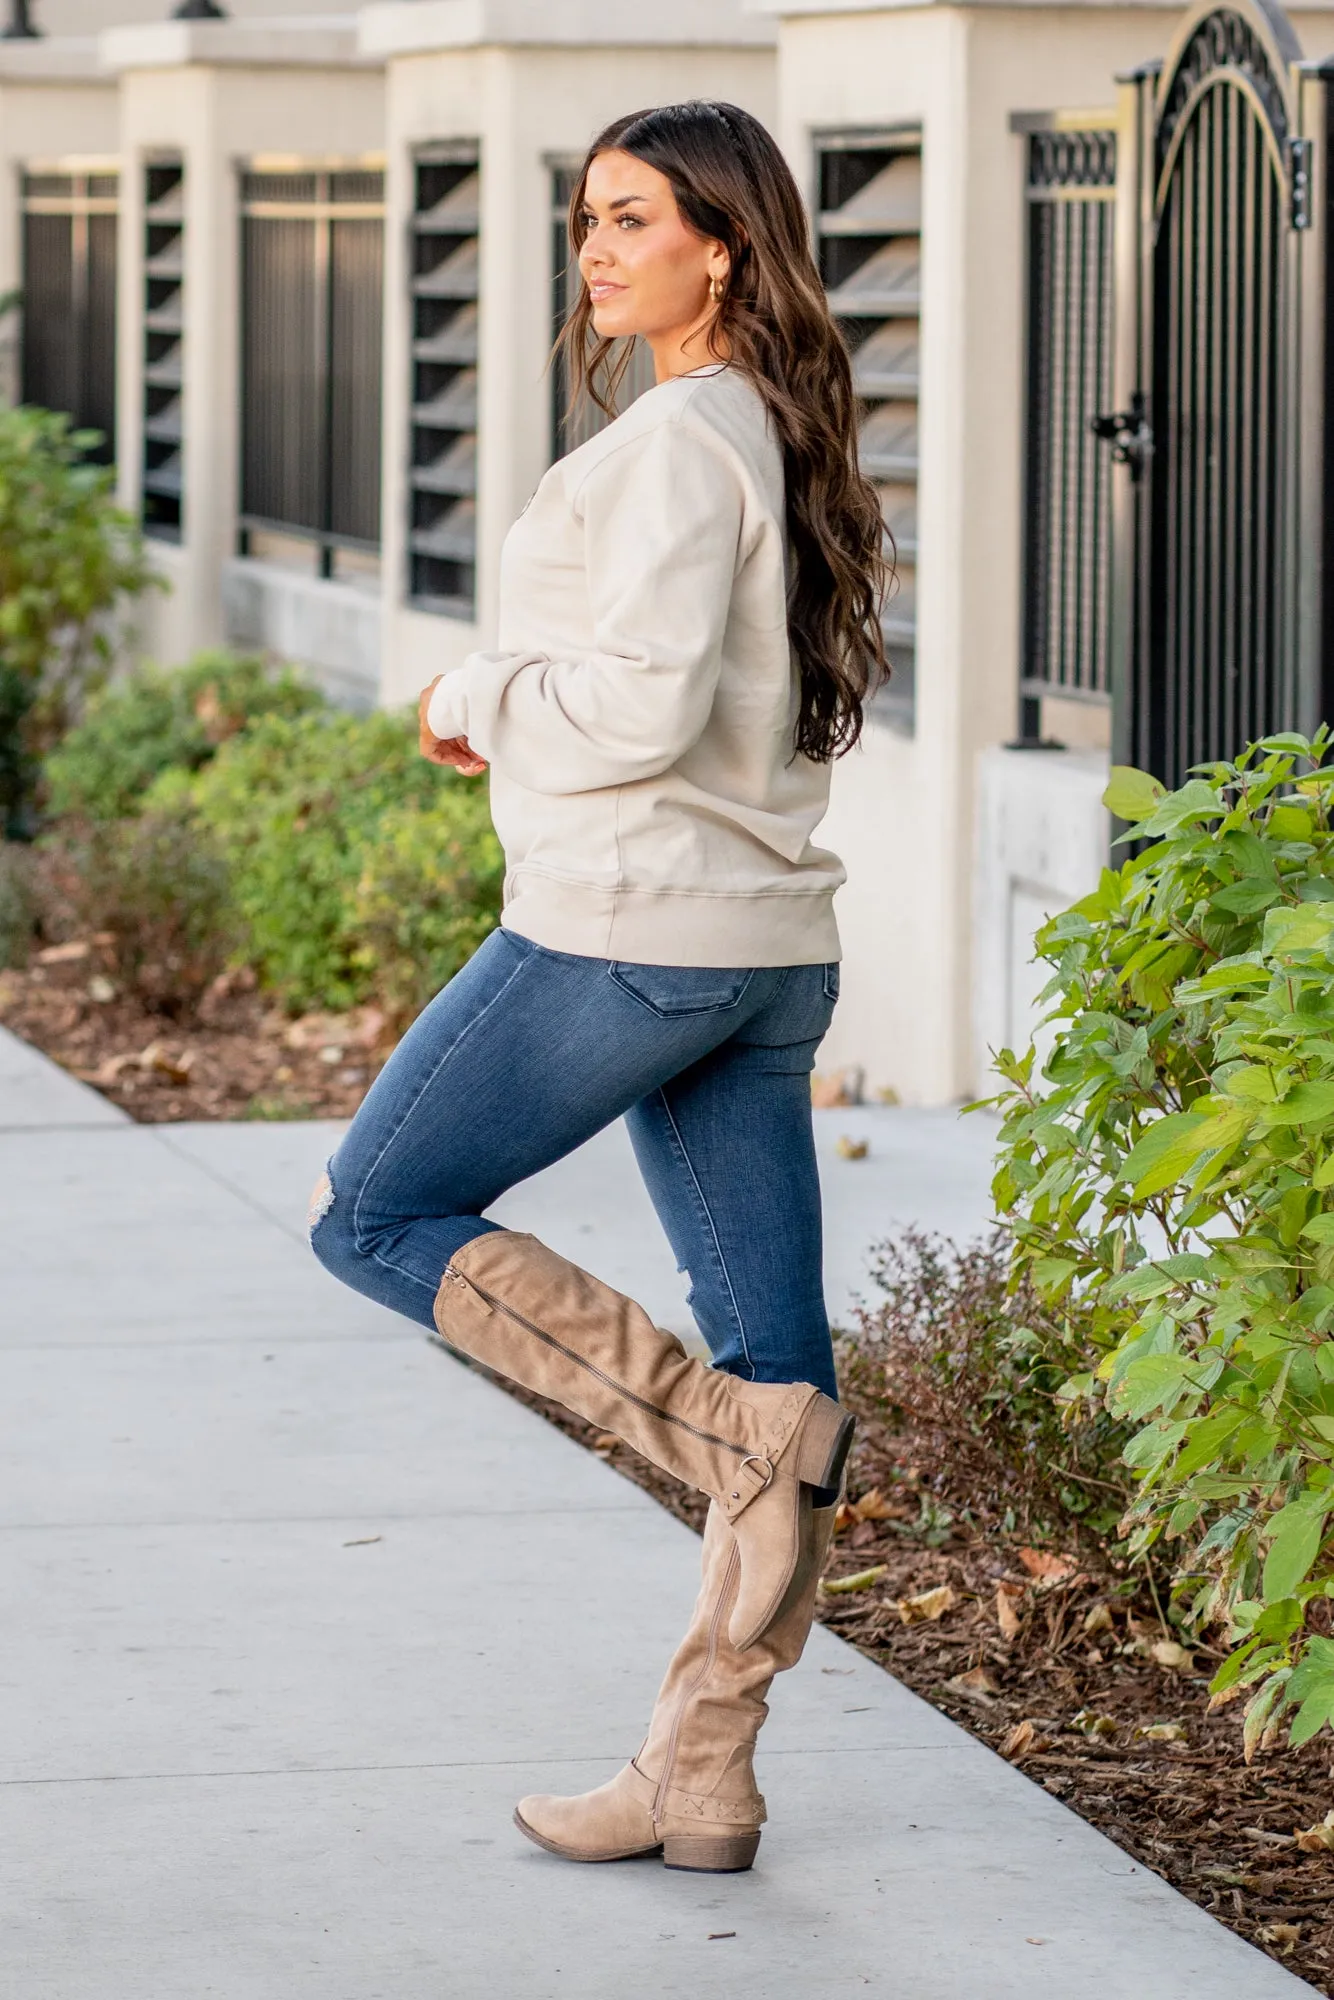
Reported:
(68, 354)
(1067, 563)
(312, 277)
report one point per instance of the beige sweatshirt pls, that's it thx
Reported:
(638, 718)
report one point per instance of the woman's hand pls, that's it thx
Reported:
(455, 751)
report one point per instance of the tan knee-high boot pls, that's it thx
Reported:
(691, 1789)
(755, 1447)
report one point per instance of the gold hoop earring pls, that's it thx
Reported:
(716, 289)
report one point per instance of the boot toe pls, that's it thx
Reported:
(613, 1823)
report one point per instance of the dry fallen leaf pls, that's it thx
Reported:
(1099, 1619)
(1173, 1656)
(1023, 1740)
(1316, 1839)
(1046, 1567)
(1163, 1732)
(1269, 1839)
(605, 1441)
(1089, 1723)
(1009, 1596)
(928, 1605)
(100, 989)
(63, 954)
(833, 1088)
(839, 1586)
(1286, 1935)
(363, 1541)
(108, 1070)
(975, 1685)
(851, 1149)
(873, 1506)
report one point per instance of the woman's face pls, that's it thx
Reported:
(647, 272)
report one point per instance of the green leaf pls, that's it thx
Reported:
(1297, 1532)
(1289, 823)
(1188, 1264)
(1251, 1082)
(1320, 1229)
(1170, 1143)
(1146, 1281)
(1311, 1717)
(1246, 899)
(1151, 1382)
(1305, 1104)
(1051, 1272)
(1315, 1669)
(1303, 929)
(1229, 1673)
(1279, 1621)
(1207, 1439)
(1131, 794)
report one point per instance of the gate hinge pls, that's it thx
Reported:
(1128, 433)
(1299, 176)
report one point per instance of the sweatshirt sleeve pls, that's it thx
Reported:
(662, 520)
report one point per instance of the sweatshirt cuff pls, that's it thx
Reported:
(447, 710)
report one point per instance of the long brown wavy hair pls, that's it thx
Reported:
(773, 326)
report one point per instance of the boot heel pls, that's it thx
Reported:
(729, 1854)
(824, 1444)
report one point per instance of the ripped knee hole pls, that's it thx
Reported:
(321, 1200)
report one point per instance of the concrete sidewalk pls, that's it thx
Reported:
(296, 1607)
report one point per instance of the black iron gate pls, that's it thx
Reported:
(312, 245)
(1221, 367)
(69, 298)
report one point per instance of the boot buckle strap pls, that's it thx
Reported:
(753, 1476)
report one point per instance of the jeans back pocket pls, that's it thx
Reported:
(671, 991)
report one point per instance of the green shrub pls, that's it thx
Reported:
(299, 807)
(428, 894)
(18, 903)
(1169, 1181)
(156, 888)
(69, 558)
(154, 720)
(976, 1365)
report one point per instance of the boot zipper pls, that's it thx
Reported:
(710, 1657)
(539, 1333)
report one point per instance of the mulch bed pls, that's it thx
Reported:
(236, 1057)
(1048, 1662)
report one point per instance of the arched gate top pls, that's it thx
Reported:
(1249, 42)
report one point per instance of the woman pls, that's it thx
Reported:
(689, 626)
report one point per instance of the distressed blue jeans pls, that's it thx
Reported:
(528, 1052)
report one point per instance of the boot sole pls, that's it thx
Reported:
(824, 1444)
(576, 1854)
(733, 1854)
